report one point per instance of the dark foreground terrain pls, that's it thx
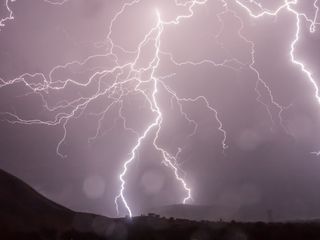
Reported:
(25, 214)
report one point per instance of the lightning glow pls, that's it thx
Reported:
(131, 79)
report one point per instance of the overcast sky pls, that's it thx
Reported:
(268, 163)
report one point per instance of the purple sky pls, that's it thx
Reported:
(268, 163)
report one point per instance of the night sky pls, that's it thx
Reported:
(208, 87)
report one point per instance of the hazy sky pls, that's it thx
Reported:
(268, 163)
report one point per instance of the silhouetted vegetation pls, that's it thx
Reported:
(26, 215)
(156, 228)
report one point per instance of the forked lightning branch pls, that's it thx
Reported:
(127, 80)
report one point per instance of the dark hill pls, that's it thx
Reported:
(23, 208)
(27, 215)
(24, 212)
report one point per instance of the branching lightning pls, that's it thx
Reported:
(126, 80)
(313, 23)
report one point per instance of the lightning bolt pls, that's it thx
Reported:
(119, 81)
(169, 159)
(289, 6)
(10, 17)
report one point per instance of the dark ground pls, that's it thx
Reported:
(25, 214)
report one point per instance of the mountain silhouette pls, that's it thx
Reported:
(25, 212)
(23, 208)
(27, 215)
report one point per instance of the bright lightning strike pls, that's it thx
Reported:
(130, 78)
(289, 6)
